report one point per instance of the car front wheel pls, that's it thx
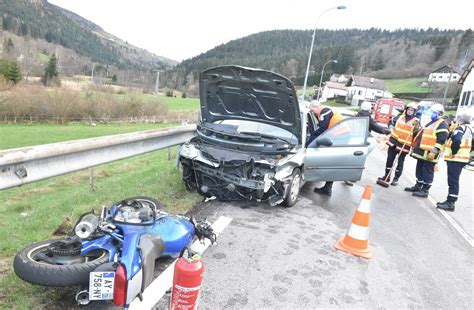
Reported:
(293, 189)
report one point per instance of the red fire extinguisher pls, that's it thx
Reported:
(187, 281)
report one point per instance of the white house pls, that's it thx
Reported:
(466, 100)
(361, 88)
(444, 74)
(340, 78)
(333, 89)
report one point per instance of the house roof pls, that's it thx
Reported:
(367, 82)
(466, 72)
(335, 85)
(446, 69)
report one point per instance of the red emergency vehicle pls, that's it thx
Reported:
(384, 109)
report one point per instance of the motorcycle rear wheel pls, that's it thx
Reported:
(31, 265)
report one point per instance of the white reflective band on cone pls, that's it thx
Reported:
(358, 232)
(364, 206)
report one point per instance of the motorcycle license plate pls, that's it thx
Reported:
(101, 285)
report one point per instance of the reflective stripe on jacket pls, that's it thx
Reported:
(403, 133)
(463, 154)
(433, 137)
(428, 137)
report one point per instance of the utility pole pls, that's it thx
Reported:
(157, 82)
(447, 85)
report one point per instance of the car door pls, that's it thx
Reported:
(344, 159)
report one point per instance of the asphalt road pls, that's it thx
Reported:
(272, 257)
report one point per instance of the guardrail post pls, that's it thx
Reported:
(91, 180)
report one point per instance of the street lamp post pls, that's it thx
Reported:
(322, 73)
(341, 7)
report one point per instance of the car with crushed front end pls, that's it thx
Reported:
(250, 142)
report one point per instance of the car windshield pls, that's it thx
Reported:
(255, 128)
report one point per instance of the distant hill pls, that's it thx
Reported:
(37, 24)
(374, 52)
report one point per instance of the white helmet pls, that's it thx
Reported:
(412, 105)
(437, 107)
(366, 106)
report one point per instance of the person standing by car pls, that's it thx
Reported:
(327, 118)
(457, 153)
(366, 111)
(427, 150)
(406, 127)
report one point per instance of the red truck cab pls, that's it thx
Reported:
(384, 109)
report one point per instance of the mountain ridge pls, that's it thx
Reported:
(42, 20)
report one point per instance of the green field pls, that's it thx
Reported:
(409, 85)
(19, 135)
(173, 104)
(35, 211)
(177, 104)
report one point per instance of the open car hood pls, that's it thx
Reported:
(233, 92)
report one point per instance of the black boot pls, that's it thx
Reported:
(394, 182)
(446, 206)
(414, 188)
(442, 203)
(325, 190)
(422, 193)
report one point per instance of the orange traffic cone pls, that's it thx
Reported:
(356, 240)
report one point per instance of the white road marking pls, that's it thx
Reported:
(456, 226)
(157, 289)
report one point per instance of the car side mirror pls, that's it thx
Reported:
(323, 141)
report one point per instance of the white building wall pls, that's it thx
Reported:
(443, 77)
(329, 93)
(466, 100)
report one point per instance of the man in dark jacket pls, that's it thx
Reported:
(327, 118)
(405, 128)
(457, 153)
(365, 111)
(427, 149)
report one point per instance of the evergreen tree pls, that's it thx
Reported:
(51, 71)
(13, 72)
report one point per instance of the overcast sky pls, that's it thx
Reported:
(181, 29)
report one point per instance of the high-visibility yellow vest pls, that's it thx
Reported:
(463, 154)
(428, 137)
(423, 145)
(336, 118)
(403, 131)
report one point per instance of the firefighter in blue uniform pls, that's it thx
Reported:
(427, 149)
(458, 151)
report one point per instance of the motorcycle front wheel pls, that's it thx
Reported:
(47, 263)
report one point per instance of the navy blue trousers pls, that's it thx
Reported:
(424, 173)
(392, 153)
(454, 171)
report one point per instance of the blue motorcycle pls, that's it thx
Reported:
(112, 255)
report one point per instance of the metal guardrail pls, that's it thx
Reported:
(29, 164)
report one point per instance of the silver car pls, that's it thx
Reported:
(251, 136)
